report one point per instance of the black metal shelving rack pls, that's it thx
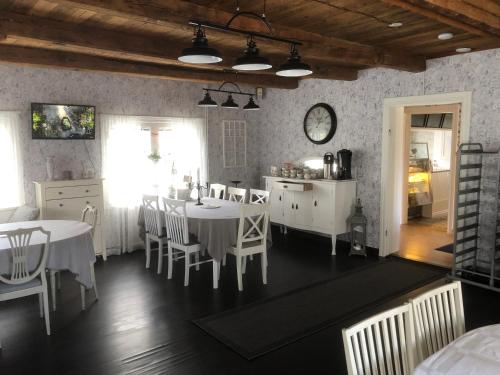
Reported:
(467, 266)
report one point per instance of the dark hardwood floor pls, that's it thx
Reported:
(142, 321)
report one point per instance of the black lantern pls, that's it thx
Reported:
(357, 227)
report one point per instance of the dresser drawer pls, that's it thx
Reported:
(71, 208)
(293, 186)
(72, 191)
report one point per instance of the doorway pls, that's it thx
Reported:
(427, 220)
(395, 158)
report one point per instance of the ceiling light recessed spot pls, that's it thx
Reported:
(445, 36)
(463, 50)
(395, 24)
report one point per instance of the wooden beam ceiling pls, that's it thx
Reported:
(177, 13)
(50, 58)
(458, 14)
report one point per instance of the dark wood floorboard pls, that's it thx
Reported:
(142, 322)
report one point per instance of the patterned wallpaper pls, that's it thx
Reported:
(112, 94)
(359, 107)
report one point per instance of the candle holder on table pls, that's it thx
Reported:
(200, 188)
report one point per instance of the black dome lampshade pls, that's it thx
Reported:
(207, 101)
(200, 52)
(251, 60)
(294, 67)
(230, 103)
(251, 106)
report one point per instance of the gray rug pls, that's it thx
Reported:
(258, 328)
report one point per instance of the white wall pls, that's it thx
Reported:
(359, 107)
(111, 94)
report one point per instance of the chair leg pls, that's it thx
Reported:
(92, 277)
(244, 265)
(238, 273)
(40, 302)
(187, 260)
(263, 265)
(215, 272)
(170, 261)
(46, 308)
(53, 289)
(160, 256)
(148, 251)
(197, 259)
(82, 296)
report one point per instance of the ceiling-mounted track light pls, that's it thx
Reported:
(251, 60)
(207, 101)
(251, 106)
(200, 52)
(230, 103)
(294, 67)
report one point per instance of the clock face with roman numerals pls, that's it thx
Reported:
(320, 123)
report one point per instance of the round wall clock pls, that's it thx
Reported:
(320, 123)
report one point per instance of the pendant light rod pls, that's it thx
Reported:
(210, 25)
(239, 92)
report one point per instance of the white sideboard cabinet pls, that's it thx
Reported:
(320, 206)
(65, 200)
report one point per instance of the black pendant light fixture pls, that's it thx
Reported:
(251, 106)
(200, 52)
(294, 67)
(207, 101)
(230, 103)
(251, 59)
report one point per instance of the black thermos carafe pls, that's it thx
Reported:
(344, 159)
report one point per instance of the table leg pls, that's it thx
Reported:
(216, 272)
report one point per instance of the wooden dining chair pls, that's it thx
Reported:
(439, 318)
(381, 344)
(22, 281)
(180, 240)
(217, 191)
(153, 226)
(89, 216)
(258, 196)
(252, 238)
(237, 194)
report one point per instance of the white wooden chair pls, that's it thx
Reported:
(154, 228)
(258, 196)
(217, 191)
(439, 318)
(237, 194)
(180, 240)
(381, 344)
(22, 282)
(89, 216)
(252, 238)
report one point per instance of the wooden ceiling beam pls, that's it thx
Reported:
(176, 14)
(49, 58)
(45, 33)
(443, 14)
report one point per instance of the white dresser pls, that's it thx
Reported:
(320, 206)
(65, 200)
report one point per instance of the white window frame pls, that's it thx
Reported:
(229, 136)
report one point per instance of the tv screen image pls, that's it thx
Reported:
(61, 121)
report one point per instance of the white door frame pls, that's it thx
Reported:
(393, 157)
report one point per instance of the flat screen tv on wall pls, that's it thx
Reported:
(62, 121)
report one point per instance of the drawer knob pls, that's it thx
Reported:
(60, 204)
(88, 202)
(60, 193)
(285, 186)
(296, 206)
(87, 190)
(315, 203)
(280, 197)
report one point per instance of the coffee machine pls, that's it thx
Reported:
(328, 160)
(344, 169)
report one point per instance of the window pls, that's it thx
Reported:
(12, 186)
(234, 144)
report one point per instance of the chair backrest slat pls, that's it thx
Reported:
(439, 318)
(382, 344)
(217, 191)
(176, 221)
(89, 216)
(20, 242)
(152, 215)
(237, 194)
(258, 196)
(253, 224)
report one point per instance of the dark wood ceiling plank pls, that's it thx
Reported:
(46, 58)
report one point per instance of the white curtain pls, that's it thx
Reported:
(11, 164)
(128, 173)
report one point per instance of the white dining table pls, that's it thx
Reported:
(71, 247)
(475, 353)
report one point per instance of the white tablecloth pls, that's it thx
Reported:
(475, 353)
(71, 247)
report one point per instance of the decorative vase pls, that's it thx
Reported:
(49, 165)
